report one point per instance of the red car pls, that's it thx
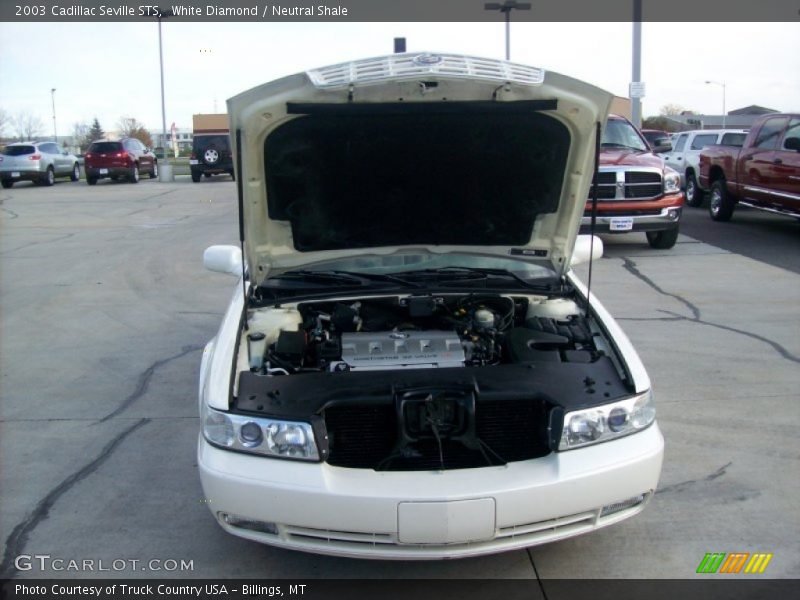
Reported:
(127, 159)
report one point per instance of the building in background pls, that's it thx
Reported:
(741, 118)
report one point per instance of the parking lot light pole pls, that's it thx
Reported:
(722, 84)
(506, 9)
(53, 98)
(165, 172)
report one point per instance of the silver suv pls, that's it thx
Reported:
(40, 162)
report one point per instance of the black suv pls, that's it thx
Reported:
(211, 155)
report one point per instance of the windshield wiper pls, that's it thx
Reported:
(448, 275)
(616, 145)
(344, 277)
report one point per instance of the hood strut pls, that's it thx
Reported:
(240, 193)
(594, 213)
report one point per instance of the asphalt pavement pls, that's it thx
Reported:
(104, 310)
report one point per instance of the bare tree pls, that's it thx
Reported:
(671, 109)
(5, 121)
(27, 125)
(130, 127)
(80, 133)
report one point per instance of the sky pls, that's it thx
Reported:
(111, 70)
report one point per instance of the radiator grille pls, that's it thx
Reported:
(364, 437)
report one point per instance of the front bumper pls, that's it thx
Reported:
(363, 513)
(666, 218)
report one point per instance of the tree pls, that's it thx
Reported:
(95, 133)
(669, 110)
(659, 122)
(130, 127)
(28, 126)
(79, 133)
(5, 120)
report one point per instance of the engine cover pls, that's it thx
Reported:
(400, 349)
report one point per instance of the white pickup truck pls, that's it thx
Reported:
(685, 155)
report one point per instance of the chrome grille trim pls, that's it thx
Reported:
(624, 190)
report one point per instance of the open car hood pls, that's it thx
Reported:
(414, 152)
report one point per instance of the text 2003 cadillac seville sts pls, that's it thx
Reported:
(411, 370)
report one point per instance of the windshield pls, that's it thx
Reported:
(621, 134)
(408, 263)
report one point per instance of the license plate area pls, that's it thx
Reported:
(103, 171)
(15, 173)
(621, 223)
(456, 522)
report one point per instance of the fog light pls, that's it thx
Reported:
(249, 524)
(616, 507)
(672, 214)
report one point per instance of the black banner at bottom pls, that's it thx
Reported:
(392, 589)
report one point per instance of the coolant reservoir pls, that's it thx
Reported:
(554, 308)
(271, 321)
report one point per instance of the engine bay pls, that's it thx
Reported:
(419, 332)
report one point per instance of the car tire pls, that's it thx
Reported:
(196, 177)
(154, 171)
(720, 205)
(662, 240)
(694, 195)
(76, 172)
(134, 176)
(49, 177)
(7, 183)
(91, 180)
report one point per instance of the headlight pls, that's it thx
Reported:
(672, 181)
(269, 437)
(607, 422)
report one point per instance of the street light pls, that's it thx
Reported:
(723, 99)
(53, 98)
(506, 9)
(165, 171)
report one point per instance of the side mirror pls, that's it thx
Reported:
(584, 250)
(223, 259)
(662, 145)
(792, 143)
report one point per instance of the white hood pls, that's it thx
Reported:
(426, 152)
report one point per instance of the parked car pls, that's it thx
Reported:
(685, 156)
(658, 139)
(40, 162)
(764, 173)
(211, 155)
(127, 159)
(637, 192)
(411, 369)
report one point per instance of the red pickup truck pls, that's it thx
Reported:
(764, 173)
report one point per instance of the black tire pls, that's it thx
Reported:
(694, 195)
(91, 180)
(134, 176)
(196, 177)
(154, 170)
(720, 205)
(76, 172)
(49, 177)
(662, 240)
(7, 183)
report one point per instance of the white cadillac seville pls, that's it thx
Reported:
(409, 368)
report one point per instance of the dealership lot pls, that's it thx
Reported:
(105, 308)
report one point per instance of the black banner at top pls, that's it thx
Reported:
(678, 11)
